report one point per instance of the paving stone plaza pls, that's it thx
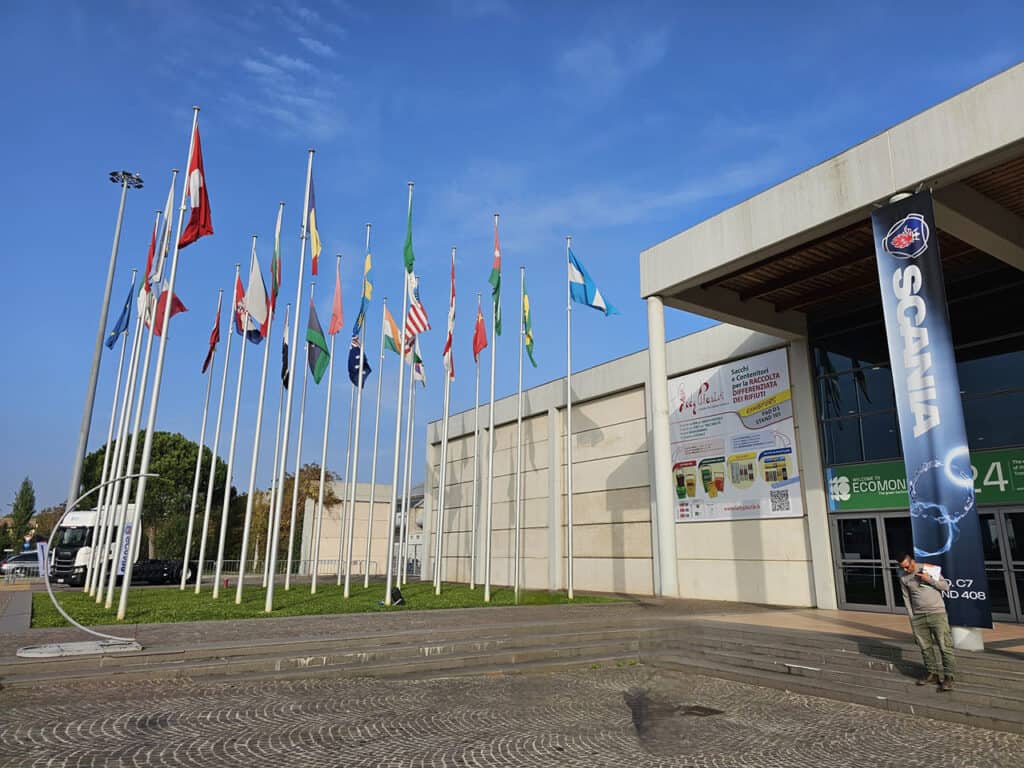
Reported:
(627, 715)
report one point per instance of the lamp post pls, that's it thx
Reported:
(127, 180)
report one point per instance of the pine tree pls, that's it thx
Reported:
(23, 508)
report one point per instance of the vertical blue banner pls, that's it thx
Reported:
(940, 486)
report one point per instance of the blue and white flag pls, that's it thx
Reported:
(122, 322)
(582, 287)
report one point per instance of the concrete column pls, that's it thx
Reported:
(655, 559)
(433, 459)
(661, 452)
(812, 477)
(306, 542)
(556, 538)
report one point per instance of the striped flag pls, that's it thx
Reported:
(317, 351)
(256, 303)
(314, 234)
(214, 340)
(391, 332)
(449, 363)
(416, 321)
(419, 372)
(495, 280)
(583, 290)
(367, 295)
(275, 262)
(527, 325)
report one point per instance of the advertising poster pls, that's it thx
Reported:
(733, 442)
(939, 478)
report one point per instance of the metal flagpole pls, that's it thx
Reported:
(199, 457)
(109, 495)
(490, 456)
(345, 479)
(350, 527)
(410, 425)
(439, 544)
(258, 433)
(318, 521)
(147, 448)
(101, 518)
(274, 490)
(568, 419)
(398, 435)
(139, 396)
(376, 426)
(216, 440)
(279, 502)
(226, 502)
(134, 181)
(476, 468)
(298, 461)
(519, 436)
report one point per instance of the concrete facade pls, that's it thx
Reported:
(332, 532)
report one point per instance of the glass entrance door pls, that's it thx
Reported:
(861, 577)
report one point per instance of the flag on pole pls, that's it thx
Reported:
(122, 322)
(407, 254)
(336, 314)
(527, 326)
(416, 321)
(317, 351)
(284, 356)
(214, 340)
(275, 261)
(391, 332)
(449, 362)
(367, 295)
(256, 303)
(479, 333)
(161, 305)
(495, 281)
(314, 233)
(582, 287)
(163, 244)
(419, 371)
(199, 223)
(353, 364)
(145, 294)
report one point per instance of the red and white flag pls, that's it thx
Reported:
(214, 338)
(199, 222)
(337, 316)
(449, 363)
(416, 321)
(479, 333)
(161, 307)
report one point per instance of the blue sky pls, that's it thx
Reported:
(621, 124)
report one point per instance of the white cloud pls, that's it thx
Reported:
(603, 64)
(317, 46)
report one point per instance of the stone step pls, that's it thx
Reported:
(937, 706)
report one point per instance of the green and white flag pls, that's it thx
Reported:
(495, 280)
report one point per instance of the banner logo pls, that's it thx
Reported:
(908, 237)
(840, 488)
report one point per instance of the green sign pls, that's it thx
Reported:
(998, 479)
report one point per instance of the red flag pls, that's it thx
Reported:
(449, 361)
(149, 261)
(239, 306)
(199, 222)
(161, 307)
(214, 339)
(479, 334)
(336, 313)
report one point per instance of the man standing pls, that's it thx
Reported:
(923, 586)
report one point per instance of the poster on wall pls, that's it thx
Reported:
(733, 441)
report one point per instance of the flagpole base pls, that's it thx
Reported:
(968, 639)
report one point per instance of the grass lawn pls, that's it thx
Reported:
(155, 605)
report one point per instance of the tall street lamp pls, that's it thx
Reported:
(127, 180)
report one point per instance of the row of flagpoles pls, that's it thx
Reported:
(253, 310)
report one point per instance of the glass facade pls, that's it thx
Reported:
(857, 407)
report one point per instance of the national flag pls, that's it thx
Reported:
(122, 322)
(582, 287)
(479, 333)
(407, 254)
(275, 261)
(391, 332)
(256, 303)
(449, 362)
(337, 316)
(528, 326)
(367, 295)
(214, 340)
(239, 306)
(163, 244)
(318, 353)
(314, 233)
(495, 281)
(416, 321)
(284, 355)
(419, 371)
(199, 222)
(353, 364)
(145, 294)
(161, 307)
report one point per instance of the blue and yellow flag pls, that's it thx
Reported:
(367, 295)
(314, 233)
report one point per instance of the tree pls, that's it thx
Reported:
(45, 521)
(22, 509)
(165, 510)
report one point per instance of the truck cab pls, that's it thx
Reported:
(73, 546)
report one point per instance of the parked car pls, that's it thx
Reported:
(20, 564)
